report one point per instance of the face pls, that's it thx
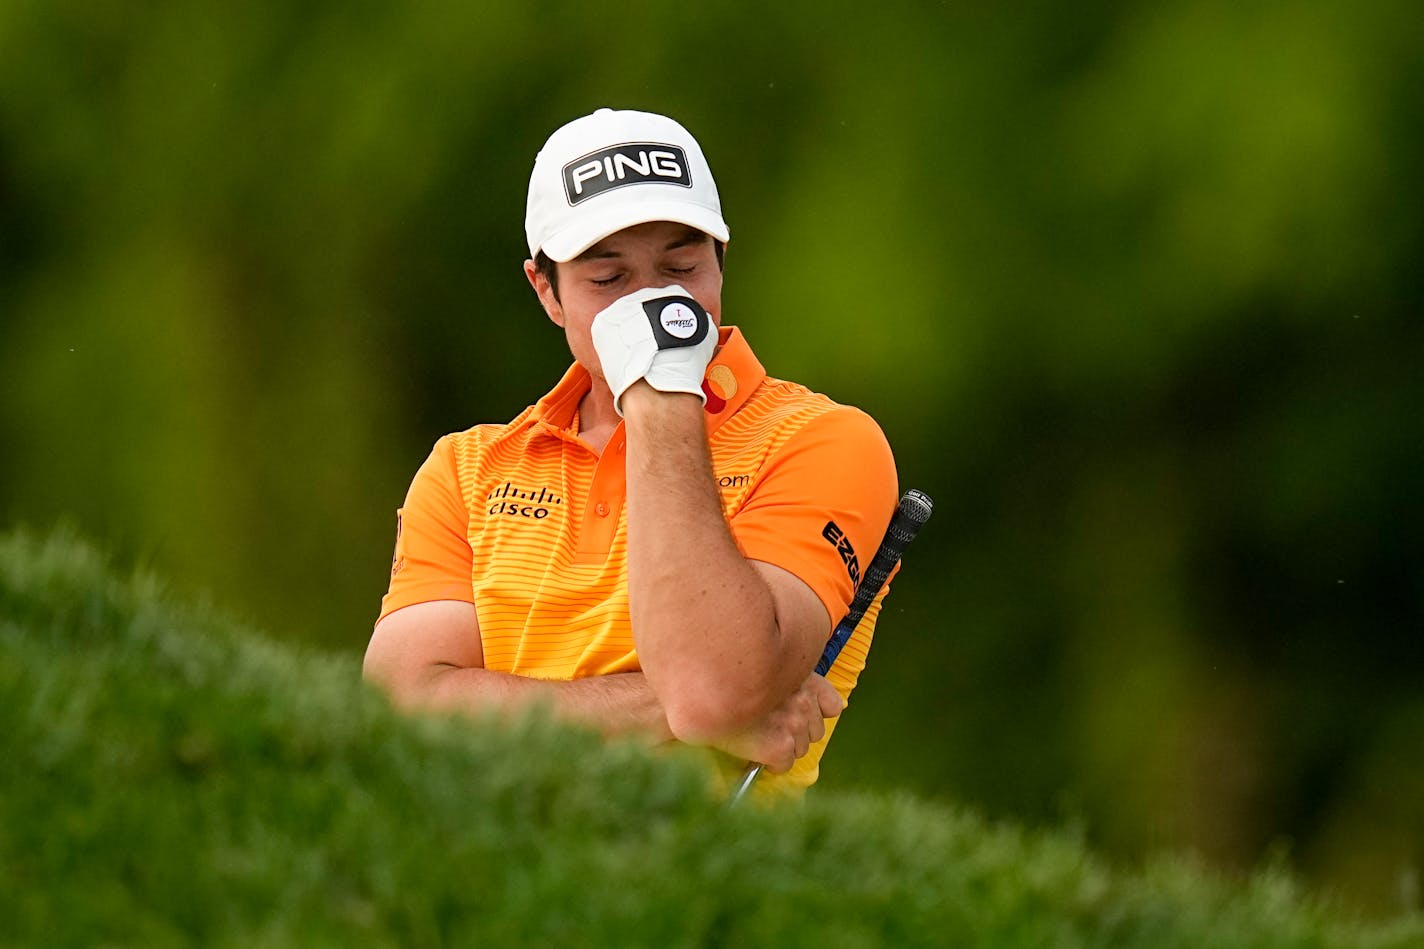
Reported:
(656, 254)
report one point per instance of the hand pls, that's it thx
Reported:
(660, 334)
(788, 731)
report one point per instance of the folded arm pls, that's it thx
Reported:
(428, 656)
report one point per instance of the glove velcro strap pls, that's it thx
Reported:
(677, 321)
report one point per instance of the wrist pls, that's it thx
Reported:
(641, 400)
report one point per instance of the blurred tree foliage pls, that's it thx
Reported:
(1134, 289)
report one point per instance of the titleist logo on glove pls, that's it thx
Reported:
(676, 321)
(660, 334)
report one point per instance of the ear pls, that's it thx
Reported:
(545, 293)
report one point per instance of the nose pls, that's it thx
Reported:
(643, 276)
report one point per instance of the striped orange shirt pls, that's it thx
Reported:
(527, 522)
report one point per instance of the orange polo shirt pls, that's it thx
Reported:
(527, 522)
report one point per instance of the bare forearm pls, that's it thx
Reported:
(614, 704)
(704, 620)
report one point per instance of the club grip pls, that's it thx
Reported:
(910, 515)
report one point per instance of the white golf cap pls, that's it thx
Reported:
(611, 170)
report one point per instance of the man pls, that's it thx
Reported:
(664, 542)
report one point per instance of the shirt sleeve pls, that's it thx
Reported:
(822, 504)
(433, 560)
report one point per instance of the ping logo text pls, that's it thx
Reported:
(628, 164)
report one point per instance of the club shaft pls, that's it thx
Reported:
(914, 509)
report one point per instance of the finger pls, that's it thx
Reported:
(780, 761)
(829, 699)
(803, 743)
(817, 727)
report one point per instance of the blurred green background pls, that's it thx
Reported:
(1133, 288)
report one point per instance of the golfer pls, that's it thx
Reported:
(662, 544)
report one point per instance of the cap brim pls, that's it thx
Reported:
(592, 227)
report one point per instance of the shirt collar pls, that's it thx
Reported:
(732, 376)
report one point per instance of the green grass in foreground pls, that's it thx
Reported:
(170, 778)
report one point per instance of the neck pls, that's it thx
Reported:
(597, 417)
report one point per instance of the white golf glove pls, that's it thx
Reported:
(660, 334)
